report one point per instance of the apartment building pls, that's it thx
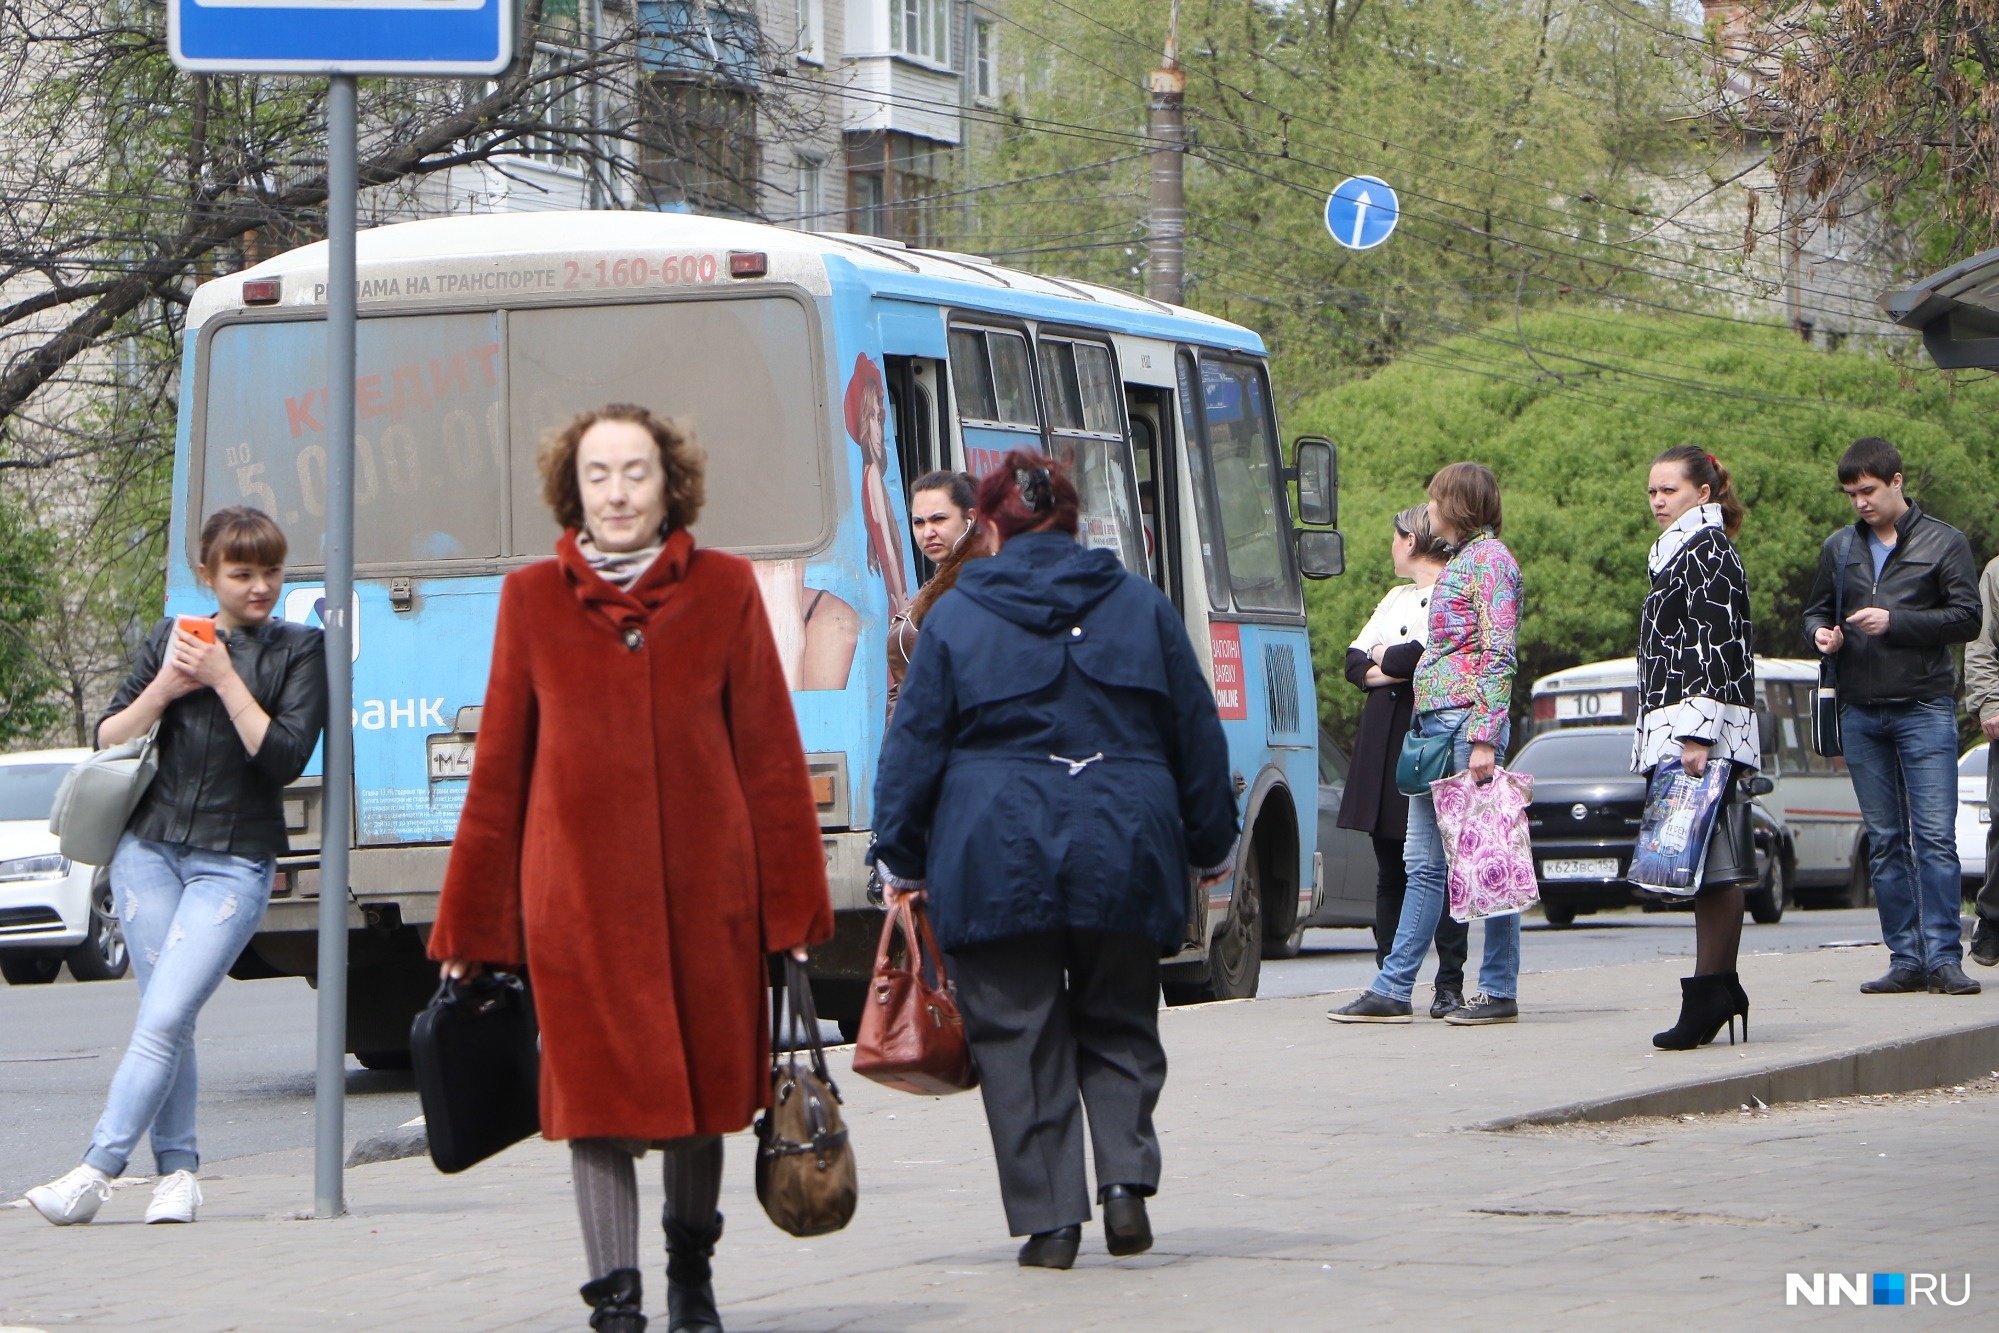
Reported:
(829, 115)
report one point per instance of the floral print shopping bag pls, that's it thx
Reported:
(1485, 843)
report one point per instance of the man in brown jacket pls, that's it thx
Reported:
(1981, 697)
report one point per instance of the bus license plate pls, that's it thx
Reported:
(1601, 868)
(451, 758)
(1589, 705)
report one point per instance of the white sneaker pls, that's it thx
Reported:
(74, 1197)
(175, 1198)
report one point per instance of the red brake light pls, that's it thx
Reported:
(748, 263)
(262, 291)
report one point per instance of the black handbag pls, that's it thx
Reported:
(1423, 760)
(1826, 741)
(1731, 847)
(477, 1053)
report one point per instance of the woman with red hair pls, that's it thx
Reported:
(1053, 778)
(867, 423)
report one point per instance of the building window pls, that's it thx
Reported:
(811, 27)
(921, 28)
(893, 184)
(985, 59)
(811, 193)
(700, 147)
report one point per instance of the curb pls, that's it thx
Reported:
(1896, 1066)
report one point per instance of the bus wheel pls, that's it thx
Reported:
(1235, 958)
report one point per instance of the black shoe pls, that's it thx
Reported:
(1372, 1008)
(1985, 943)
(1896, 981)
(1481, 1010)
(1950, 980)
(1706, 1002)
(1052, 1249)
(1446, 1001)
(1127, 1230)
(616, 1301)
(690, 1292)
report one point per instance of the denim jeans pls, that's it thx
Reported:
(187, 912)
(1428, 895)
(1903, 758)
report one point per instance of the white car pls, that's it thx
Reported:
(1973, 818)
(52, 910)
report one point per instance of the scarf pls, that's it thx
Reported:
(1680, 533)
(620, 569)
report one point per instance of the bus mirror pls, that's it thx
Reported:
(1322, 553)
(1318, 482)
(1761, 786)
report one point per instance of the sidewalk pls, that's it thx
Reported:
(1317, 1177)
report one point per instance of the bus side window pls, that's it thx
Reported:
(1086, 433)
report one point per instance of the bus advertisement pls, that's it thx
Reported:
(821, 374)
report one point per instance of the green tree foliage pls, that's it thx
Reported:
(1526, 140)
(28, 703)
(1570, 410)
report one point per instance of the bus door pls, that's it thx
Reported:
(1150, 415)
(1262, 659)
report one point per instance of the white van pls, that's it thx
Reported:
(1814, 796)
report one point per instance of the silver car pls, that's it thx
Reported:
(52, 910)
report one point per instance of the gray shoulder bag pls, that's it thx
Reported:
(98, 796)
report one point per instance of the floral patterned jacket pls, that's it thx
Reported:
(1474, 616)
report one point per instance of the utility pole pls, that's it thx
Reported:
(1166, 270)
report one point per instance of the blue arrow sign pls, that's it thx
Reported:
(435, 37)
(1362, 212)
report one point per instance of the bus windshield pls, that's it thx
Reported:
(451, 408)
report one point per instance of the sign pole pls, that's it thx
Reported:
(337, 790)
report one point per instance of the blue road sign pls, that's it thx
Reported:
(1362, 212)
(439, 37)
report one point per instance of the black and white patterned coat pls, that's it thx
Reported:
(1696, 672)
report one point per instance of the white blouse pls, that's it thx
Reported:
(1404, 614)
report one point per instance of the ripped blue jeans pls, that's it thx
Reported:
(187, 913)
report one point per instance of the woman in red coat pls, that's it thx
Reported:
(640, 832)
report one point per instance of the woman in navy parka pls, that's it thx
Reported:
(1054, 775)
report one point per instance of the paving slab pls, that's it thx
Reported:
(1317, 1176)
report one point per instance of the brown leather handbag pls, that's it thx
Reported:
(912, 1036)
(805, 1165)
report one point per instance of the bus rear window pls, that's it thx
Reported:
(451, 407)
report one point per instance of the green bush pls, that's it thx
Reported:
(1571, 430)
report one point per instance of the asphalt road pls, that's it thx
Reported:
(59, 1044)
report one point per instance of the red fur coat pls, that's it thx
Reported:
(640, 830)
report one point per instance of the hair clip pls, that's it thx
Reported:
(1037, 489)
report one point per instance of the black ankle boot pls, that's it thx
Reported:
(1706, 1002)
(690, 1289)
(1127, 1230)
(617, 1302)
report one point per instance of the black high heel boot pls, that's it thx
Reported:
(1705, 1004)
(1127, 1230)
(1741, 1008)
(617, 1302)
(690, 1289)
(1052, 1249)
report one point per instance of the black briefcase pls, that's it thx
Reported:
(477, 1053)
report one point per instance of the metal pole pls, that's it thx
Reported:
(1167, 250)
(337, 791)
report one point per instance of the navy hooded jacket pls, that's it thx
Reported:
(1055, 759)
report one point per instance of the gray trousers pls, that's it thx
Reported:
(1988, 895)
(1061, 1022)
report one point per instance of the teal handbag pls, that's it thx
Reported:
(1424, 759)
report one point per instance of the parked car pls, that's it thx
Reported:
(1584, 820)
(1346, 857)
(1973, 817)
(52, 910)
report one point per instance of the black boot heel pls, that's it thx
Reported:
(690, 1289)
(1052, 1249)
(1127, 1229)
(1705, 1004)
(617, 1303)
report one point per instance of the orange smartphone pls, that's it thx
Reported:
(201, 627)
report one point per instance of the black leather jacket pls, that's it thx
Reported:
(209, 793)
(1929, 587)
